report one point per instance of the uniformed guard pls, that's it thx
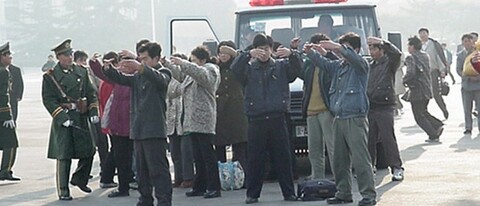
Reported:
(70, 98)
(8, 135)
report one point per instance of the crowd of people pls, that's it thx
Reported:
(138, 105)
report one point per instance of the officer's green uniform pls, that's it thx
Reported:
(8, 136)
(73, 142)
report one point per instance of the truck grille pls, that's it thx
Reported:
(296, 102)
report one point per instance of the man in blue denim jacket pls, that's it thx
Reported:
(349, 105)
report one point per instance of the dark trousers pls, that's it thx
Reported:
(79, 177)
(121, 152)
(108, 166)
(182, 157)
(8, 159)
(435, 75)
(153, 171)
(381, 131)
(268, 135)
(424, 119)
(206, 168)
(101, 141)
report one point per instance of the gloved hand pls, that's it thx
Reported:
(9, 124)
(94, 119)
(67, 123)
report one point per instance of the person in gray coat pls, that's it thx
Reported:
(149, 82)
(200, 79)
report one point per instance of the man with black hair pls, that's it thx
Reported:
(438, 66)
(266, 84)
(325, 26)
(149, 82)
(381, 95)
(315, 107)
(349, 105)
(470, 83)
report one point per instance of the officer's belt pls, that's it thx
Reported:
(69, 106)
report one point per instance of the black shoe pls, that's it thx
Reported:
(367, 202)
(467, 131)
(10, 177)
(65, 198)
(336, 201)
(84, 188)
(251, 200)
(212, 194)
(290, 198)
(117, 193)
(194, 193)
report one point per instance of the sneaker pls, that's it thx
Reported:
(397, 174)
(434, 140)
(108, 185)
(467, 131)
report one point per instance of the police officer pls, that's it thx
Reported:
(8, 138)
(70, 98)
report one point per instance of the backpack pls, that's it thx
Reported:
(316, 189)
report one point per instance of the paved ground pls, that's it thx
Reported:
(442, 174)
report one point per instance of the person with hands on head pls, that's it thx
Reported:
(148, 81)
(8, 134)
(386, 59)
(349, 105)
(265, 82)
(70, 98)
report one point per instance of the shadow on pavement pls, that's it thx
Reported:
(33, 197)
(466, 142)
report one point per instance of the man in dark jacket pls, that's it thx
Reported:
(8, 135)
(149, 83)
(349, 105)
(265, 81)
(381, 94)
(71, 100)
(315, 106)
(417, 79)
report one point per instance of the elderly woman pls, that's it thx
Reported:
(417, 79)
(200, 79)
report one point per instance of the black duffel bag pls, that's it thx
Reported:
(316, 189)
(444, 88)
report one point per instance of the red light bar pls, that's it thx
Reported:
(285, 2)
(328, 1)
(266, 2)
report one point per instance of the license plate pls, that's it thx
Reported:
(301, 131)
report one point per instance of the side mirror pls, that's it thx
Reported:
(212, 46)
(396, 39)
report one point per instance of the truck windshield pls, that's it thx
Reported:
(284, 24)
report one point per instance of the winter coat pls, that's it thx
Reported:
(174, 108)
(72, 142)
(8, 136)
(417, 77)
(147, 100)
(381, 78)
(199, 85)
(119, 112)
(231, 125)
